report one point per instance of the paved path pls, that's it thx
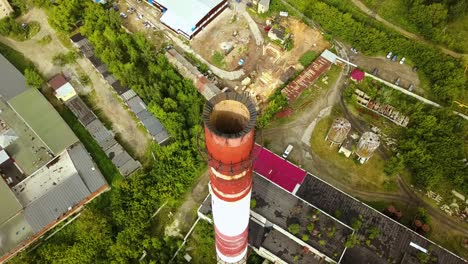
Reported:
(420, 98)
(149, 13)
(405, 33)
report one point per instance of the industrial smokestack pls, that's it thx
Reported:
(229, 120)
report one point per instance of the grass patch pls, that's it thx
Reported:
(408, 211)
(395, 11)
(458, 29)
(16, 58)
(450, 240)
(363, 176)
(318, 89)
(62, 59)
(64, 39)
(201, 245)
(307, 58)
(218, 59)
(45, 40)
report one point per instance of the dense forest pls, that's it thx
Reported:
(117, 228)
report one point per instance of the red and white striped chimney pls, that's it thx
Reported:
(229, 133)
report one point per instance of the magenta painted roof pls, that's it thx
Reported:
(357, 75)
(277, 169)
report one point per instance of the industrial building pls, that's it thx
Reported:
(187, 18)
(366, 146)
(338, 131)
(308, 76)
(286, 214)
(46, 173)
(285, 194)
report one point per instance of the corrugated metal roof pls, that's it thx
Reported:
(114, 151)
(81, 110)
(77, 37)
(129, 167)
(128, 95)
(136, 104)
(56, 202)
(85, 166)
(99, 132)
(111, 79)
(154, 126)
(119, 88)
(121, 158)
(13, 82)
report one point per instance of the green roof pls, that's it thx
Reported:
(8, 203)
(42, 118)
(13, 232)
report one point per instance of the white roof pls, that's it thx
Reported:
(65, 90)
(3, 156)
(7, 137)
(184, 15)
(328, 55)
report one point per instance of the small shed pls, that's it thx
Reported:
(357, 75)
(63, 90)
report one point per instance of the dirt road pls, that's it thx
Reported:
(105, 100)
(186, 213)
(405, 33)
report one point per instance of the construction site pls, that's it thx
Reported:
(231, 44)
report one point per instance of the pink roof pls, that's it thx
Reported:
(277, 169)
(357, 75)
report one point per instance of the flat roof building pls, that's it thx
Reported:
(46, 174)
(189, 17)
(332, 213)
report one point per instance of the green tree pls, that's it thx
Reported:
(294, 229)
(373, 233)
(352, 241)
(33, 78)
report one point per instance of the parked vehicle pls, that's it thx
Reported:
(375, 71)
(389, 55)
(394, 57)
(287, 151)
(397, 82)
(402, 60)
(410, 88)
(123, 15)
(354, 50)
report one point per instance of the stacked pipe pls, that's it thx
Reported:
(229, 120)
